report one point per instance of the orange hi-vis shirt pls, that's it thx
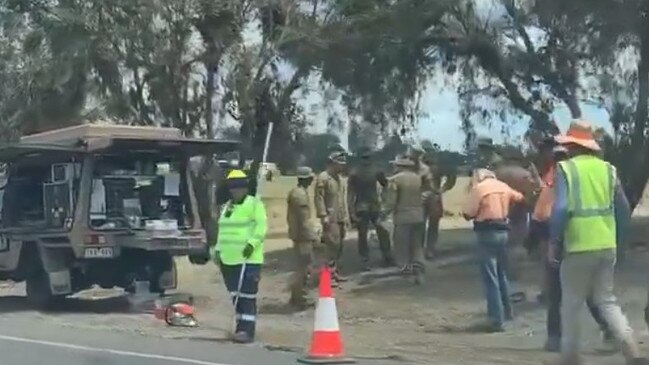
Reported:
(490, 200)
(543, 207)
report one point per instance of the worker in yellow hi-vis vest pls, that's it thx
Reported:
(589, 216)
(239, 251)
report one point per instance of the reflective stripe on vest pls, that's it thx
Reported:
(591, 194)
(238, 228)
(577, 206)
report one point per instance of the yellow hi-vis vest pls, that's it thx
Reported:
(239, 225)
(591, 194)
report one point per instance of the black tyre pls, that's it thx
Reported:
(39, 293)
(162, 263)
(200, 258)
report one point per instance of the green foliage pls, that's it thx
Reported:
(189, 64)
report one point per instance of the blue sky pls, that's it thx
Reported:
(440, 111)
(440, 119)
(441, 122)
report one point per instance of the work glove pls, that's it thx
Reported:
(247, 251)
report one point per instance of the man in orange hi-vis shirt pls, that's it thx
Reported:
(488, 206)
(541, 216)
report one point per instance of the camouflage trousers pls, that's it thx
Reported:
(433, 212)
(304, 268)
(408, 247)
(332, 237)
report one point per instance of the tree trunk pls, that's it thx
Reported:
(209, 96)
(573, 105)
(635, 178)
(205, 182)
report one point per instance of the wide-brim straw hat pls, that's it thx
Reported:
(580, 133)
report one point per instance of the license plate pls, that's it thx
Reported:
(98, 252)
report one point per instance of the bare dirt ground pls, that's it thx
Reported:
(385, 316)
(381, 315)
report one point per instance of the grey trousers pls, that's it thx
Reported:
(583, 274)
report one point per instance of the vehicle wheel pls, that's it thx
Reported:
(163, 264)
(39, 292)
(200, 258)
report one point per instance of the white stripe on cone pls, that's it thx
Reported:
(326, 317)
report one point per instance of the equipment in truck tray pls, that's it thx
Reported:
(117, 189)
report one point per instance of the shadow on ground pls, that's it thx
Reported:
(15, 303)
(451, 243)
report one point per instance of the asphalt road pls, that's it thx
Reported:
(29, 338)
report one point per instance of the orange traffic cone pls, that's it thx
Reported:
(326, 343)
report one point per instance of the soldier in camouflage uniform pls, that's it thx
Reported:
(364, 203)
(434, 209)
(427, 185)
(330, 201)
(303, 235)
(403, 199)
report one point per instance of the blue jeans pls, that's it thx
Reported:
(492, 254)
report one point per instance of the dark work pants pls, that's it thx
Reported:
(554, 304)
(365, 219)
(246, 310)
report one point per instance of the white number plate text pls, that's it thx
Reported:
(98, 252)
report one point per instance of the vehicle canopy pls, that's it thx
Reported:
(126, 160)
(91, 138)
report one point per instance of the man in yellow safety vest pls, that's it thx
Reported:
(589, 216)
(239, 251)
